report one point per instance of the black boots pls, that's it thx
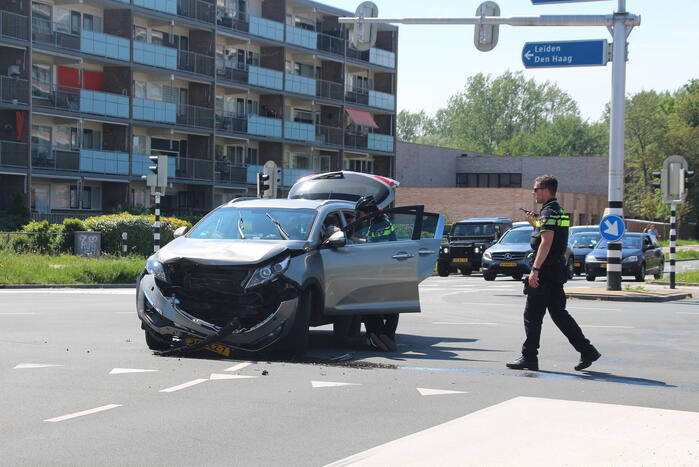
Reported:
(523, 363)
(586, 359)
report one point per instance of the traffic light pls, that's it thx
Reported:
(658, 176)
(262, 184)
(485, 36)
(363, 35)
(687, 175)
(157, 165)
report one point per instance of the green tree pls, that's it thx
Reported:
(411, 126)
(566, 135)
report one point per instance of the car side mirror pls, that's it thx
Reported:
(337, 240)
(180, 231)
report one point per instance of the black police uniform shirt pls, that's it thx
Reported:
(552, 218)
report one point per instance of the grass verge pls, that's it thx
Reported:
(683, 255)
(68, 269)
(691, 276)
(691, 241)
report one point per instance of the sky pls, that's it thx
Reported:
(434, 62)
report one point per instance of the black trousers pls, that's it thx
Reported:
(551, 297)
(382, 324)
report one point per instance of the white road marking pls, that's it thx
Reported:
(131, 291)
(83, 413)
(217, 376)
(239, 366)
(184, 385)
(16, 314)
(438, 392)
(22, 366)
(482, 324)
(330, 384)
(629, 435)
(121, 371)
(599, 326)
(687, 313)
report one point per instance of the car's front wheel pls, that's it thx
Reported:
(489, 276)
(641, 276)
(345, 327)
(297, 339)
(156, 342)
(443, 269)
(659, 274)
(590, 278)
(517, 277)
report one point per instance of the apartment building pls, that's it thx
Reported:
(90, 88)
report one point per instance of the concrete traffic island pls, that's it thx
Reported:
(650, 295)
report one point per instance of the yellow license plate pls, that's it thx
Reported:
(216, 348)
(461, 260)
(577, 265)
(604, 265)
(508, 265)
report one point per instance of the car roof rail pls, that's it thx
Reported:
(331, 201)
(242, 198)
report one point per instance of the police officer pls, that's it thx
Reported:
(380, 329)
(545, 283)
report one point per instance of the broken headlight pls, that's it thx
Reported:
(267, 273)
(155, 267)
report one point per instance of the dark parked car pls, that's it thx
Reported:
(641, 254)
(468, 240)
(582, 244)
(513, 256)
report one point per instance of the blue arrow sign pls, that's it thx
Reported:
(612, 228)
(549, 2)
(565, 54)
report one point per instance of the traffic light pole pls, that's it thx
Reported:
(673, 241)
(156, 225)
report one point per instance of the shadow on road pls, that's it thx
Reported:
(598, 376)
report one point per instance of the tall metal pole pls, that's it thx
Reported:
(156, 226)
(616, 141)
(673, 241)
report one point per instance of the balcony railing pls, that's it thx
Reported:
(232, 19)
(358, 96)
(376, 56)
(301, 37)
(330, 43)
(374, 141)
(14, 90)
(155, 55)
(231, 74)
(231, 122)
(356, 140)
(266, 28)
(227, 173)
(266, 77)
(300, 84)
(54, 34)
(382, 100)
(47, 156)
(299, 131)
(104, 162)
(193, 169)
(264, 126)
(195, 63)
(329, 135)
(329, 89)
(13, 154)
(195, 116)
(196, 9)
(79, 100)
(97, 43)
(165, 6)
(13, 25)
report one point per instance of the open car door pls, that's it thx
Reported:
(371, 275)
(431, 231)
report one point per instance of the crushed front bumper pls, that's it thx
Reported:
(164, 316)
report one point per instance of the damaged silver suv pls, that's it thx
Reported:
(257, 273)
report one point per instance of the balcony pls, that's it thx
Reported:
(195, 116)
(302, 37)
(289, 176)
(357, 96)
(232, 19)
(14, 26)
(228, 174)
(195, 63)
(329, 89)
(231, 122)
(155, 55)
(330, 43)
(231, 74)
(189, 168)
(105, 45)
(14, 90)
(379, 142)
(299, 131)
(47, 156)
(54, 34)
(140, 163)
(266, 28)
(356, 140)
(266, 78)
(264, 126)
(376, 56)
(382, 100)
(196, 9)
(13, 154)
(300, 84)
(168, 112)
(79, 100)
(164, 6)
(104, 162)
(329, 135)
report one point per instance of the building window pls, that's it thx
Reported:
(360, 165)
(488, 180)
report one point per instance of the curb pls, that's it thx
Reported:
(67, 286)
(683, 284)
(631, 298)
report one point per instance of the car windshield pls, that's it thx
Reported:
(516, 236)
(472, 230)
(584, 240)
(255, 224)
(629, 243)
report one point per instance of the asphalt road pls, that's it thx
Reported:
(72, 395)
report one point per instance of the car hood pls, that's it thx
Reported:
(581, 250)
(511, 247)
(602, 253)
(225, 252)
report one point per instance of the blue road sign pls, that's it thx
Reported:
(612, 228)
(565, 53)
(549, 2)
